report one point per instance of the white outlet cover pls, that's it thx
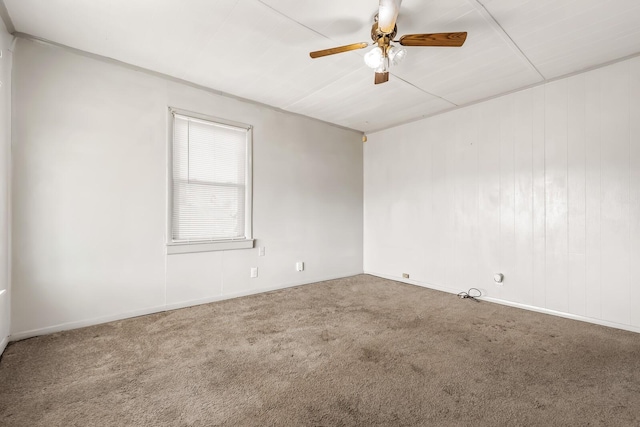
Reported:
(260, 250)
(254, 272)
(299, 266)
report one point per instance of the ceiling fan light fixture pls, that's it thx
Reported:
(385, 53)
(374, 58)
(397, 54)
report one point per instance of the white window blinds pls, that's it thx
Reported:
(210, 190)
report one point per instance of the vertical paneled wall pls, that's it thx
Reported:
(542, 185)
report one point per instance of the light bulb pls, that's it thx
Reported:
(373, 58)
(397, 54)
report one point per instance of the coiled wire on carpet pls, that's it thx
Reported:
(472, 293)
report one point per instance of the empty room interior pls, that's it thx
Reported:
(319, 213)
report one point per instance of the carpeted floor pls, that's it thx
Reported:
(360, 351)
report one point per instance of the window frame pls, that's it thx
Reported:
(247, 242)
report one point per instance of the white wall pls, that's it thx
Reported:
(89, 196)
(5, 156)
(542, 185)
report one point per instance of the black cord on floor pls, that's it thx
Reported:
(472, 293)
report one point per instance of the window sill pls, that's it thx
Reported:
(187, 248)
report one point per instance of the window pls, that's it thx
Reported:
(210, 186)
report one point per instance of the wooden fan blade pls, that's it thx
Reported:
(381, 78)
(435, 39)
(339, 49)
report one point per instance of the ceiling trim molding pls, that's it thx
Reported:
(6, 18)
(157, 74)
(493, 23)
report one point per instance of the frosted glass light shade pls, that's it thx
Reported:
(397, 54)
(373, 58)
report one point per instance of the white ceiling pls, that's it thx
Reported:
(258, 49)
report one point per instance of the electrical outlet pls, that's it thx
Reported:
(261, 251)
(405, 275)
(299, 266)
(254, 272)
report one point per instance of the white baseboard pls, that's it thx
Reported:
(596, 321)
(83, 323)
(593, 320)
(435, 287)
(223, 297)
(3, 345)
(167, 307)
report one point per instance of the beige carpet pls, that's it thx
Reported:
(360, 351)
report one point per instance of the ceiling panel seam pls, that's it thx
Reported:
(226, 18)
(4, 14)
(422, 90)
(344, 76)
(493, 22)
(292, 20)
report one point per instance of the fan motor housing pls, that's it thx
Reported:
(376, 34)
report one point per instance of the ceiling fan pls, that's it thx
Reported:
(383, 31)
